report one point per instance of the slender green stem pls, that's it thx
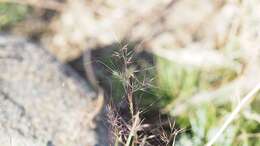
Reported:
(130, 140)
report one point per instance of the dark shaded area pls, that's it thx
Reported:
(105, 64)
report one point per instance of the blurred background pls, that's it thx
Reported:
(197, 59)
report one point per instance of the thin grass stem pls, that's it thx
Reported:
(233, 115)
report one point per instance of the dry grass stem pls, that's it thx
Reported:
(233, 115)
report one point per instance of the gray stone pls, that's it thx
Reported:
(42, 102)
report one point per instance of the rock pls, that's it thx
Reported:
(42, 102)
